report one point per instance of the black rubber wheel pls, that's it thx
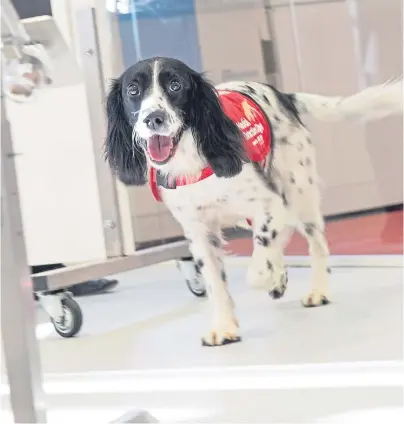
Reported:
(196, 287)
(73, 318)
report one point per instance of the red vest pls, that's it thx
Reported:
(252, 122)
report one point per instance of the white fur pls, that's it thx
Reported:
(371, 103)
(205, 208)
(156, 100)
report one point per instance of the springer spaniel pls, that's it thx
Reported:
(167, 123)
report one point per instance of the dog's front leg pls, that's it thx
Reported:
(206, 248)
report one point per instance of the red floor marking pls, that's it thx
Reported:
(379, 234)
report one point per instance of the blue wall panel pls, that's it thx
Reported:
(160, 28)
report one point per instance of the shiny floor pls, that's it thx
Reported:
(153, 321)
(151, 324)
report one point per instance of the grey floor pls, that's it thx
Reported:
(152, 324)
(153, 321)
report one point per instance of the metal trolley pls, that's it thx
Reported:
(65, 312)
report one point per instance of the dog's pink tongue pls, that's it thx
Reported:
(159, 147)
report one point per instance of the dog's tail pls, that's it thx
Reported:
(371, 103)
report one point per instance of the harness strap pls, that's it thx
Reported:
(252, 122)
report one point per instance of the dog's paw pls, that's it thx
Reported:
(222, 335)
(216, 339)
(278, 289)
(315, 298)
(273, 280)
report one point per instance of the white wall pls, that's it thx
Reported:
(56, 170)
(231, 40)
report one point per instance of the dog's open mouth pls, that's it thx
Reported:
(160, 148)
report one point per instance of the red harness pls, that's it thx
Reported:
(254, 125)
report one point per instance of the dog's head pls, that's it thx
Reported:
(162, 113)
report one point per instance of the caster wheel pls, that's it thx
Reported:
(193, 277)
(72, 320)
(196, 287)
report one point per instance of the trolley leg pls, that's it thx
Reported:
(20, 346)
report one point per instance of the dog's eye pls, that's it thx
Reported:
(133, 90)
(175, 85)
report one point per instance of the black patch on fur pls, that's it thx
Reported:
(269, 219)
(309, 228)
(284, 199)
(328, 270)
(274, 234)
(264, 228)
(270, 266)
(199, 265)
(214, 240)
(262, 240)
(283, 140)
(250, 89)
(276, 118)
(265, 179)
(292, 179)
(266, 100)
(301, 162)
(288, 104)
(223, 275)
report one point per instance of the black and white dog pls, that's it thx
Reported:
(167, 122)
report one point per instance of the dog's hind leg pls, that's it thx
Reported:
(318, 295)
(312, 228)
(267, 269)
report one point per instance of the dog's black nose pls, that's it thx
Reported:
(155, 120)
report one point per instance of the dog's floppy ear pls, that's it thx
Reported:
(125, 158)
(218, 138)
